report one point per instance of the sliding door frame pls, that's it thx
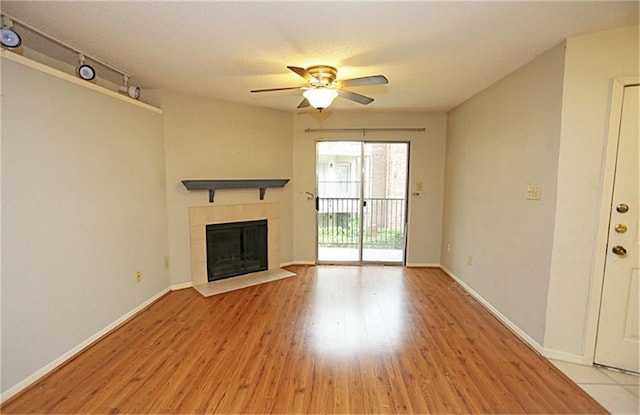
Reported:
(361, 204)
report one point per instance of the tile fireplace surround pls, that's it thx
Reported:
(201, 216)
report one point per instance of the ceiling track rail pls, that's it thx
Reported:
(64, 44)
(361, 130)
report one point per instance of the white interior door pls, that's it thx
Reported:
(618, 341)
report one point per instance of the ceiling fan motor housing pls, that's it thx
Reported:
(325, 75)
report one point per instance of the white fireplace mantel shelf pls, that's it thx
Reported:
(213, 184)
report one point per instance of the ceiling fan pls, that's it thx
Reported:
(323, 87)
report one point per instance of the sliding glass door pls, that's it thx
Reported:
(361, 201)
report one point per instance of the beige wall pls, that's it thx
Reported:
(592, 61)
(208, 138)
(498, 142)
(426, 165)
(212, 139)
(83, 209)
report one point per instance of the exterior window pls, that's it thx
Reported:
(344, 179)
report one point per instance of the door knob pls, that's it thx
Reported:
(622, 208)
(619, 250)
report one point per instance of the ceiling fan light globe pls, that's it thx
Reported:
(9, 38)
(320, 98)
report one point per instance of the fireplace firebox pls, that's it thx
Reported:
(236, 248)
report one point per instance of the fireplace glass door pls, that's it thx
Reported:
(236, 248)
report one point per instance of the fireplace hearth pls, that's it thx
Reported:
(236, 248)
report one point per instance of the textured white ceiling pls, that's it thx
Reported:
(435, 54)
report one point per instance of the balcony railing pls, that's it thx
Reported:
(339, 223)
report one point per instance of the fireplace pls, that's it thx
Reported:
(201, 216)
(236, 248)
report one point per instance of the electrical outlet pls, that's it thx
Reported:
(448, 247)
(469, 260)
(138, 276)
(419, 186)
(165, 262)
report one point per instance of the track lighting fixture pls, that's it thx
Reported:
(132, 91)
(9, 38)
(85, 71)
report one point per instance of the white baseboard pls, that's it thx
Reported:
(565, 356)
(181, 286)
(511, 325)
(77, 349)
(422, 265)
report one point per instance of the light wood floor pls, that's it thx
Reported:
(331, 340)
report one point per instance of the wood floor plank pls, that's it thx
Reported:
(333, 339)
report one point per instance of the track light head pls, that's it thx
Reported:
(9, 38)
(86, 72)
(132, 91)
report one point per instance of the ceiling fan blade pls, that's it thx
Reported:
(302, 72)
(361, 99)
(276, 89)
(304, 104)
(365, 80)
